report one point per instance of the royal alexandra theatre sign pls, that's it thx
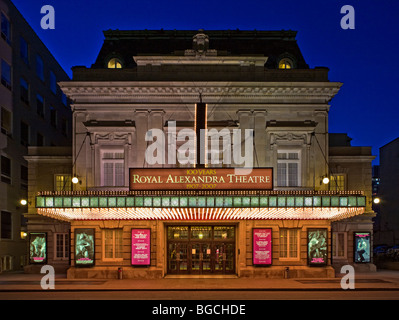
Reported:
(200, 179)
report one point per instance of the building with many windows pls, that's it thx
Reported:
(201, 153)
(34, 112)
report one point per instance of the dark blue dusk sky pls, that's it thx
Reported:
(364, 59)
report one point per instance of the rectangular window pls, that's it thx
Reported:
(289, 244)
(5, 121)
(337, 182)
(24, 178)
(39, 67)
(288, 169)
(112, 244)
(6, 228)
(39, 140)
(64, 127)
(339, 245)
(61, 246)
(5, 170)
(24, 134)
(113, 168)
(64, 99)
(53, 117)
(40, 105)
(5, 28)
(24, 87)
(62, 182)
(24, 50)
(5, 74)
(53, 82)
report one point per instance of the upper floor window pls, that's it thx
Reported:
(24, 86)
(24, 177)
(5, 170)
(62, 182)
(53, 82)
(25, 134)
(39, 67)
(285, 63)
(5, 74)
(53, 116)
(5, 121)
(337, 182)
(114, 63)
(40, 105)
(288, 169)
(112, 168)
(5, 28)
(24, 50)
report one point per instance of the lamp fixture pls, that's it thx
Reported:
(75, 180)
(23, 202)
(376, 200)
(326, 180)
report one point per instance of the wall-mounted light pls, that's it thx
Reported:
(23, 202)
(75, 180)
(376, 200)
(325, 180)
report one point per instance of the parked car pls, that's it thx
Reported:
(393, 253)
(380, 250)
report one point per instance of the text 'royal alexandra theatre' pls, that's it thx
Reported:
(200, 153)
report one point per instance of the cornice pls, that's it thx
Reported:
(211, 92)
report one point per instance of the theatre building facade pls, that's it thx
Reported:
(200, 153)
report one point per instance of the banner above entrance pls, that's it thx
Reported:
(200, 179)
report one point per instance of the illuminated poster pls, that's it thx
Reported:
(38, 248)
(262, 246)
(362, 247)
(141, 247)
(84, 247)
(317, 247)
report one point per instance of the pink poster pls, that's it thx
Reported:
(141, 247)
(262, 247)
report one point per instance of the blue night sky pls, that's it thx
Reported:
(364, 59)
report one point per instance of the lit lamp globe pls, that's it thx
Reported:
(24, 202)
(326, 180)
(376, 200)
(75, 180)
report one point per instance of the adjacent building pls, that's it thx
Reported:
(162, 122)
(387, 224)
(34, 112)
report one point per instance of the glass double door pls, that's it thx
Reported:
(201, 250)
(200, 258)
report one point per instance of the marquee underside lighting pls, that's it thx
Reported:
(201, 214)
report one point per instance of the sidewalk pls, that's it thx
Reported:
(380, 280)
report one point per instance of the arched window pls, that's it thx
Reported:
(285, 63)
(114, 63)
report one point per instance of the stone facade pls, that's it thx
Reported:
(287, 109)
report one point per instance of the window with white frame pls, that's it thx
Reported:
(61, 246)
(112, 168)
(112, 245)
(289, 244)
(288, 168)
(339, 245)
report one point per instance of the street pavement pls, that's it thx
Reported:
(379, 281)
